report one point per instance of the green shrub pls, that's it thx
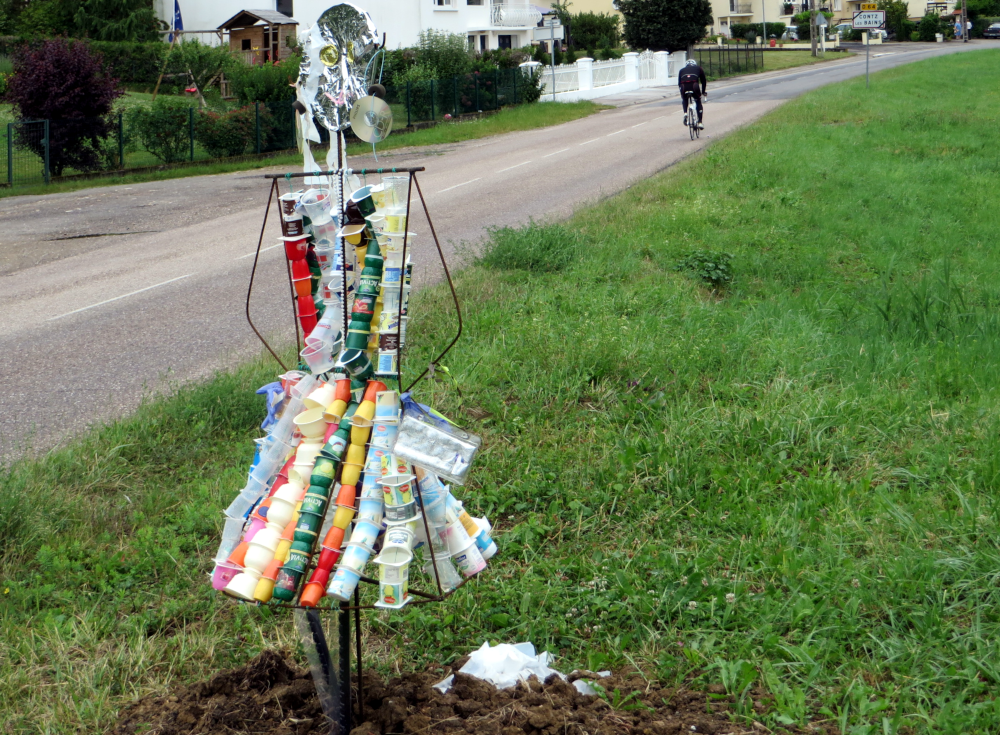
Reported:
(591, 30)
(224, 134)
(929, 26)
(163, 129)
(914, 36)
(132, 63)
(740, 30)
(713, 269)
(538, 248)
(266, 83)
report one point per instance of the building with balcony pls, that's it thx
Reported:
(728, 12)
(487, 24)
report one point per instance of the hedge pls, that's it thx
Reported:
(741, 30)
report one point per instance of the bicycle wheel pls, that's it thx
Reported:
(692, 121)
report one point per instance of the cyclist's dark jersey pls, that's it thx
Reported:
(689, 78)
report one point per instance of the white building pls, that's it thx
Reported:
(488, 24)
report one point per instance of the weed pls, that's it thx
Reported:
(712, 269)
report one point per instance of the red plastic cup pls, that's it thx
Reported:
(374, 386)
(308, 323)
(295, 246)
(300, 269)
(306, 306)
(303, 286)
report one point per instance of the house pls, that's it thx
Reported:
(728, 12)
(261, 36)
(487, 24)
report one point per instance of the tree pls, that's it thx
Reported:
(897, 18)
(594, 30)
(665, 25)
(117, 20)
(202, 64)
(65, 83)
(45, 18)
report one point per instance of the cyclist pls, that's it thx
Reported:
(692, 79)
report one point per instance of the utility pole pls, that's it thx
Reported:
(965, 22)
(763, 17)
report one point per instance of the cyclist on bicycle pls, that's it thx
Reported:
(691, 80)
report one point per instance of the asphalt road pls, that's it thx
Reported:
(113, 293)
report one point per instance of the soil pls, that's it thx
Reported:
(271, 694)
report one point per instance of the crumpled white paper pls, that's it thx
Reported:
(506, 664)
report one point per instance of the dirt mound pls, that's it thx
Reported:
(272, 695)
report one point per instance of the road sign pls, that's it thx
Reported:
(868, 19)
(868, 6)
(821, 20)
(546, 34)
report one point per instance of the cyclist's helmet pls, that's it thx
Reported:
(691, 62)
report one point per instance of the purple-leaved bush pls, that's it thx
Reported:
(64, 82)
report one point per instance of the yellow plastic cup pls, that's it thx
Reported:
(343, 517)
(355, 455)
(360, 434)
(351, 473)
(335, 411)
(264, 590)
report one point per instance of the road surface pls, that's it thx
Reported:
(112, 293)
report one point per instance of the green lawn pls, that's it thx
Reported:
(776, 60)
(507, 120)
(790, 479)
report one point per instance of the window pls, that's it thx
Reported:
(443, 3)
(483, 45)
(472, 43)
(245, 44)
(473, 2)
(284, 7)
(836, 6)
(503, 42)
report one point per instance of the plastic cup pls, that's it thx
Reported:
(355, 556)
(319, 358)
(303, 286)
(398, 494)
(395, 220)
(311, 423)
(365, 532)
(371, 487)
(469, 560)
(362, 199)
(356, 362)
(397, 546)
(383, 435)
(387, 362)
(395, 471)
(325, 234)
(295, 246)
(343, 516)
(371, 509)
(320, 397)
(352, 233)
(242, 586)
(287, 203)
(457, 538)
(450, 578)
(400, 187)
(393, 585)
(316, 204)
(382, 195)
(343, 584)
(292, 227)
(400, 513)
(223, 574)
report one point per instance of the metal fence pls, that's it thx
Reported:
(26, 152)
(435, 99)
(730, 59)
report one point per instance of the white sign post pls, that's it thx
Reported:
(555, 32)
(868, 19)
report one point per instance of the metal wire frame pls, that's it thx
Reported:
(425, 597)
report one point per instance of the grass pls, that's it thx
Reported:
(776, 60)
(788, 479)
(509, 119)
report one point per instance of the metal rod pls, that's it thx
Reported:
(359, 171)
(357, 644)
(256, 257)
(451, 285)
(402, 288)
(344, 625)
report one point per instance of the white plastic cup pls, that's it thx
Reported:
(343, 584)
(319, 359)
(316, 203)
(469, 560)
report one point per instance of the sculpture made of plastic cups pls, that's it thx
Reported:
(486, 545)
(436, 512)
(371, 510)
(372, 487)
(401, 513)
(321, 396)
(292, 227)
(343, 584)
(431, 487)
(351, 473)
(223, 574)
(346, 495)
(355, 556)
(398, 494)
(383, 196)
(362, 199)
(455, 535)
(387, 363)
(365, 532)
(245, 501)
(243, 585)
(356, 362)
(352, 233)
(469, 560)
(323, 472)
(446, 572)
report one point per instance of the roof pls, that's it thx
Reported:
(246, 18)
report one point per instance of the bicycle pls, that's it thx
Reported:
(691, 116)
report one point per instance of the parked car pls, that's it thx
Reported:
(791, 34)
(844, 29)
(993, 31)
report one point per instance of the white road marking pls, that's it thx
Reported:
(658, 118)
(263, 250)
(510, 167)
(458, 185)
(616, 132)
(552, 154)
(642, 123)
(590, 141)
(116, 298)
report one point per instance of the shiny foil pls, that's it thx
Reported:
(335, 56)
(446, 451)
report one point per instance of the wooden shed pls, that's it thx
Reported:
(261, 36)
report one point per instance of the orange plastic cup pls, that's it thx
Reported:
(303, 286)
(238, 557)
(347, 495)
(374, 386)
(334, 538)
(311, 595)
